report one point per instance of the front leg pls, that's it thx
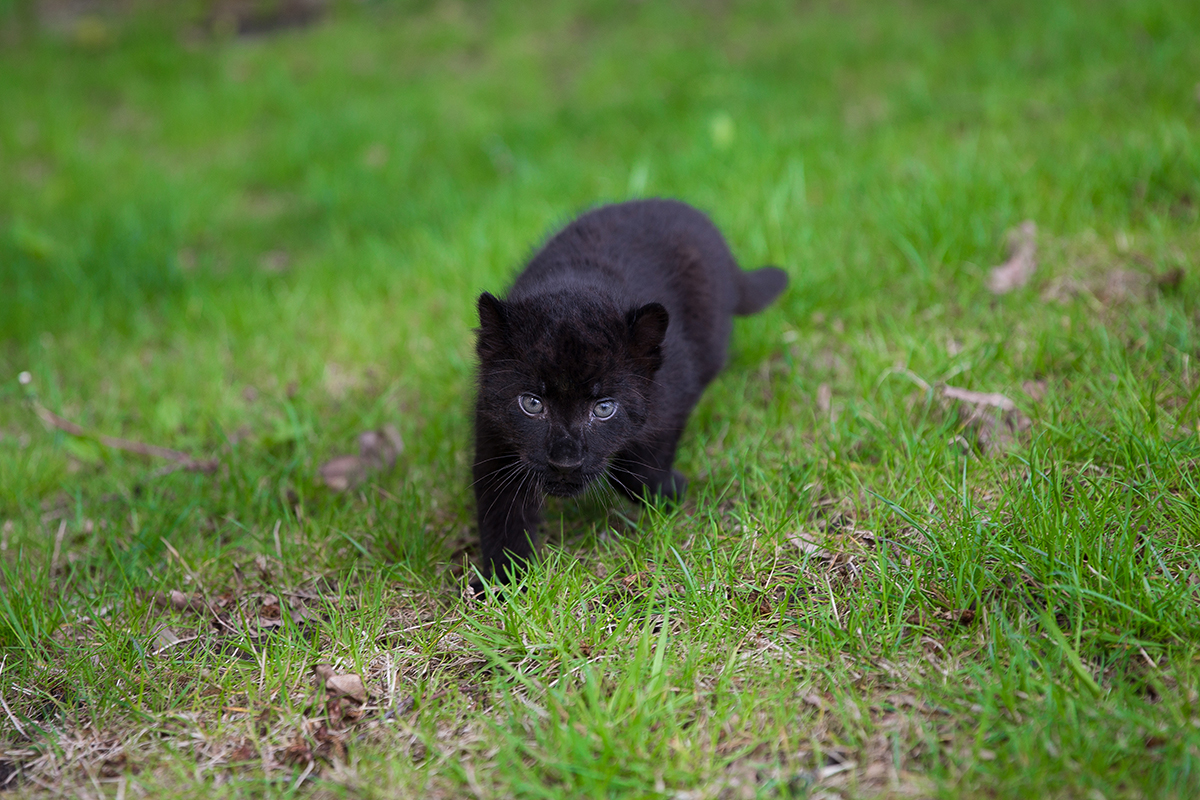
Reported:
(508, 503)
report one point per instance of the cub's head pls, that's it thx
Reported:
(567, 379)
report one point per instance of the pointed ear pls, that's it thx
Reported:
(493, 316)
(647, 327)
(491, 339)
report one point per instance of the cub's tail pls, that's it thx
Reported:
(758, 288)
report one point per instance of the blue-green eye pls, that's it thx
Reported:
(604, 409)
(531, 404)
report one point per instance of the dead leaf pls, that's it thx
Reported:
(270, 607)
(179, 601)
(994, 418)
(1018, 269)
(637, 579)
(997, 434)
(243, 752)
(330, 745)
(956, 616)
(345, 684)
(343, 472)
(346, 693)
(264, 569)
(806, 546)
(302, 615)
(1035, 389)
(816, 701)
(164, 637)
(185, 602)
(348, 685)
(381, 448)
(377, 451)
(824, 398)
(297, 753)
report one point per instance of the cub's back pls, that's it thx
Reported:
(650, 251)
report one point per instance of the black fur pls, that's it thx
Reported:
(630, 303)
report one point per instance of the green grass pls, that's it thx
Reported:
(254, 249)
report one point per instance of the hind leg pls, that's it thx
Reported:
(644, 471)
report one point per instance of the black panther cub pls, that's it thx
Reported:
(592, 363)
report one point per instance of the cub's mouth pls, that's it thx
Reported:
(567, 485)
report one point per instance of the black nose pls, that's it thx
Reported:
(565, 466)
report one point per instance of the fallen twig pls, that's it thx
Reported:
(992, 400)
(181, 460)
(11, 717)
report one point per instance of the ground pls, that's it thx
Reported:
(941, 533)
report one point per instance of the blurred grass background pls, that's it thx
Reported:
(257, 244)
(177, 189)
